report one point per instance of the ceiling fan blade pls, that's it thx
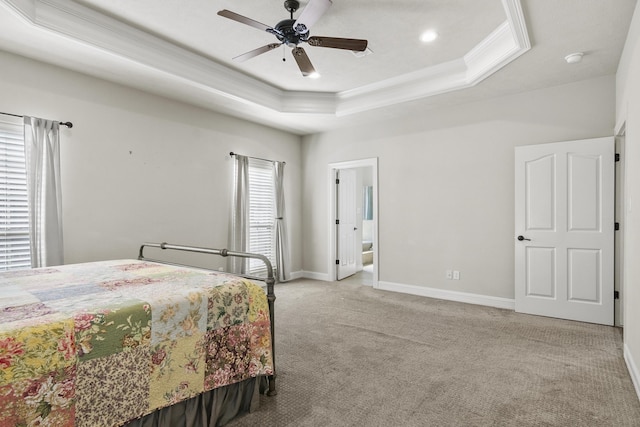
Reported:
(357, 45)
(256, 52)
(303, 61)
(311, 13)
(244, 20)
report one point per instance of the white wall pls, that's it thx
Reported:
(628, 115)
(446, 192)
(138, 167)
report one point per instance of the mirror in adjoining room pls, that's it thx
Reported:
(367, 225)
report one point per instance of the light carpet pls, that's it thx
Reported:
(349, 355)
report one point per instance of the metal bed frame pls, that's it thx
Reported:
(269, 280)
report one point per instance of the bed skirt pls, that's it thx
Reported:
(213, 408)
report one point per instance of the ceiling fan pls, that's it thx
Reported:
(292, 32)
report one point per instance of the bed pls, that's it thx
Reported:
(134, 342)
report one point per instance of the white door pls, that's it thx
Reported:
(346, 222)
(564, 225)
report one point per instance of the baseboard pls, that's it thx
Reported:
(423, 291)
(633, 370)
(315, 276)
(296, 275)
(448, 295)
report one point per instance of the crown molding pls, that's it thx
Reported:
(515, 18)
(498, 49)
(493, 53)
(308, 102)
(180, 66)
(430, 81)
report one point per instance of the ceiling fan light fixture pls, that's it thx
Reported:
(428, 36)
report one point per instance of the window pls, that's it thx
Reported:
(15, 252)
(261, 214)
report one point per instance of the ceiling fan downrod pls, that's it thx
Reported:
(291, 6)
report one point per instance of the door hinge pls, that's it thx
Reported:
(617, 157)
(337, 180)
(337, 222)
(616, 226)
(616, 294)
(337, 262)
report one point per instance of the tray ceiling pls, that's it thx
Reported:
(183, 50)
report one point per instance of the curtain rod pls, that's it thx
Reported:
(67, 124)
(257, 158)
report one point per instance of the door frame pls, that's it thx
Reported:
(620, 217)
(352, 164)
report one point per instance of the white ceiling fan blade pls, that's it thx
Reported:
(256, 52)
(310, 15)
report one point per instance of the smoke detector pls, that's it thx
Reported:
(574, 58)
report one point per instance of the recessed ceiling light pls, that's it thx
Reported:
(428, 36)
(314, 75)
(574, 58)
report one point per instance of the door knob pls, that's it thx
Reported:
(521, 238)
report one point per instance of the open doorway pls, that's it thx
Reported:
(360, 233)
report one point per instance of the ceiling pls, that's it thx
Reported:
(184, 50)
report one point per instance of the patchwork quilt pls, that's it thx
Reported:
(99, 344)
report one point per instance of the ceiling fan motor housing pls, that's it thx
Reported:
(286, 34)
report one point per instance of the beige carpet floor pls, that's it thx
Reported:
(348, 355)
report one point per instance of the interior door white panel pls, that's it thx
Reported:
(584, 276)
(584, 192)
(565, 219)
(540, 209)
(540, 277)
(347, 197)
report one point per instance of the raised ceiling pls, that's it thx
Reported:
(183, 50)
(394, 42)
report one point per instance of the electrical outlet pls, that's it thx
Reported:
(449, 274)
(456, 275)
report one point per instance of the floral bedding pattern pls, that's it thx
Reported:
(99, 344)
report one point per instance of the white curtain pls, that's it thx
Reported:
(283, 259)
(42, 157)
(239, 227)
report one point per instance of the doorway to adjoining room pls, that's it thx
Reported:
(353, 222)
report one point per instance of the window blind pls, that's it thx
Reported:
(15, 252)
(261, 214)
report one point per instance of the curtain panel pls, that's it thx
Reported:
(239, 226)
(42, 158)
(283, 259)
